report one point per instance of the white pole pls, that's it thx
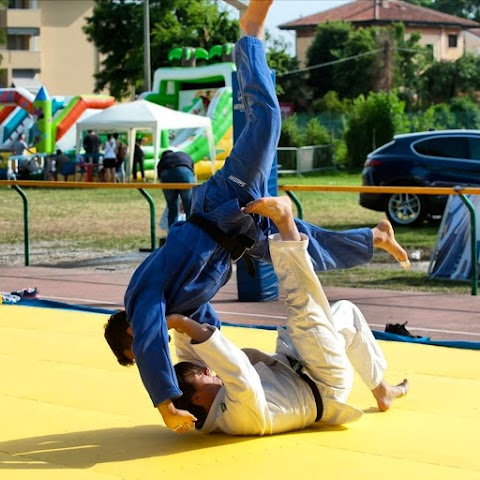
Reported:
(146, 46)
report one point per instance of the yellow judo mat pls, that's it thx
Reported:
(69, 411)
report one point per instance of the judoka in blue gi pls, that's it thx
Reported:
(184, 275)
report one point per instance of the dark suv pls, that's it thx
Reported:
(426, 159)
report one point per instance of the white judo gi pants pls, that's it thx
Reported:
(328, 340)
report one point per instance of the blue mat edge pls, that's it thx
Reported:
(377, 334)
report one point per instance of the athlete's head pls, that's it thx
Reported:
(118, 334)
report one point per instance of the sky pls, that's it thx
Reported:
(283, 11)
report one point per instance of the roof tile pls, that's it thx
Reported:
(385, 11)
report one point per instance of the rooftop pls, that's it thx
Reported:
(383, 11)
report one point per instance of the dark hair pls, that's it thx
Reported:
(115, 135)
(118, 338)
(166, 152)
(184, 372)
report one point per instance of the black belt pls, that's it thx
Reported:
(238, 246)
(297, 368)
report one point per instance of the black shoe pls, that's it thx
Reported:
(27, 293)
(400, 329)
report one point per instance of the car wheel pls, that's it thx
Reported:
(405, 209)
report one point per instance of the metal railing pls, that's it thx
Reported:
(298, 160)
(288, 189)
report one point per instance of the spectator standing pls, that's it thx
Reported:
(138, 158)
(176, 167)
(109, 159)
(56, 165)
(20, 146)
(121, 155)
(91, 145)
(28, 166)
(63, 166)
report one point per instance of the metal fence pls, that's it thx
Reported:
(300, 160)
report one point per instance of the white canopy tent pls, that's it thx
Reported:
(142, 115)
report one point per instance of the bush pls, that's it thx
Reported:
(461, 112)
(465, 112)
(373, 122)
(331, 103)
(315, 134)
(291, 135)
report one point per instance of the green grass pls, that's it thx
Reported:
(119, 220)
(392, 279)
(340, 211)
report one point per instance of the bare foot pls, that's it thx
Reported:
(274, 208)
(252, 21)
(385, 394)
(384, 238)
(279, 211)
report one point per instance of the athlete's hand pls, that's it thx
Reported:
(198, 332)
(179, 421)
(176, 321)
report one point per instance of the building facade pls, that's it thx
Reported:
(45, 45)
(472, 41)
(445, 34)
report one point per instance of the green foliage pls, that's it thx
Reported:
(341, 153)
(442, 116)
(315, 134)
(373, 122)
(461, 112)
(323, 50)
(288, 87)
(461, 8)
(357, 61)
(195, 23)
(468, 67)
(445, 80)
(357, 76)
(331, 103)
(410, 61)
(116, 29)
(3, 32)
(293, 135)
(439, 82)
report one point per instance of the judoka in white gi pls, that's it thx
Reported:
(253, 393)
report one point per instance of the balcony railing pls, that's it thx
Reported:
(20, 59)
(20, 18)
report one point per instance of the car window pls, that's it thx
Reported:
(474, 148)
(449, 147)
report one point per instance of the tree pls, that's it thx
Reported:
(444, 80)
(116, 29)
(330, 103)
(461, 8)
(289, 87)
(353, 62)
(3, 33)
(322, 51)
(372, 123)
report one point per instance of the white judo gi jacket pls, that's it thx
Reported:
(263, 398)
